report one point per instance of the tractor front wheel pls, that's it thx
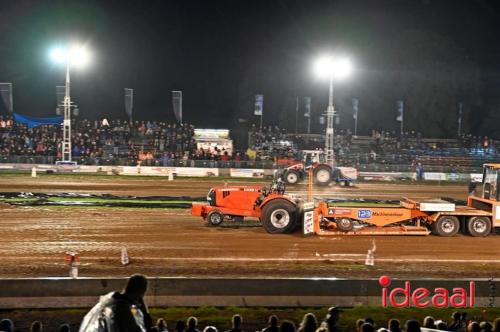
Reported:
(215, 218)
(279, 216)
(292, 176)
(345, 224)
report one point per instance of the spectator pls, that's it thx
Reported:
(273, 324)
(309, 323)
(192, 324)
(331, 319)
(369, 320)
(287, 326)
(473, 327)
(236, 324)
(429, 322)
(412, 326)
(121, 311)
(6, 325)
(394, 325)
(210, 329)
(496, 325)
(456, 324)
(359, 324)
(161, 325)
(367, 327)
(64, 328)
(441, 325)
(485, 326)
(36, 326)
(180, 326)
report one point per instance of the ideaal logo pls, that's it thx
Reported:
(422, 297)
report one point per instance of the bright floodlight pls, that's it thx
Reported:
(328, 67)
(77, 55)
(58, 54)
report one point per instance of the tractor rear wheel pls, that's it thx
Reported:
(215, 218)
(479, 226)
(292, 176)
(345, 224)
(279, 216)
(323, 175)
(446, 226)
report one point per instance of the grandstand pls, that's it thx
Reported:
(154, 143)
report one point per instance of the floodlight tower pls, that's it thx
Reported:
(332, 69)
(78, 56)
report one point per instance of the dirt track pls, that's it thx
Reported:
(172, 243)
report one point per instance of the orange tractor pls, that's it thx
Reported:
(280, 213)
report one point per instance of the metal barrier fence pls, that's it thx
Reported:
(367, 166)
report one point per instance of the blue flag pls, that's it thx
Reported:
(32, 122)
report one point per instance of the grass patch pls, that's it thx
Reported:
(83, 176)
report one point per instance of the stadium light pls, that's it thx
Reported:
(333, 69)
(72, 56)
(76, 55)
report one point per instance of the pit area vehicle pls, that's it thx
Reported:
(323, 173)
(280, 213)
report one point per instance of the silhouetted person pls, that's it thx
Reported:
(496, 325)
(473, 327)
(369, 320)
(359, 323)
(123, 311)
(236, 324)
(64, 328)
(394, 325)
(309, 323)
(210, 329)
(180, 326)
(6, 325)
(192, 324)
(367, 327)
(412, 326)
(441, 325)
(287, 326)
(161, 325)
(331, 319)
(456, 323)
(429, 322)
(36, 326)
(273, 324)
(486, 326)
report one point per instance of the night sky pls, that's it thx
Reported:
(432, 54)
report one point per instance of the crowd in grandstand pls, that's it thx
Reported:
(151, 143)
(126, 311)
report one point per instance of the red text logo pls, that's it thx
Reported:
(422, 297)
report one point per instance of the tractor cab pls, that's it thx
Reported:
(312, 157)
(491, 182)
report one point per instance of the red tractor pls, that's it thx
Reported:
(278, 213)
(323, 173)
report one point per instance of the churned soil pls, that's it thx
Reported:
(171, 242)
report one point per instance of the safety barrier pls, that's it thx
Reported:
(73, 293)
(233, 172)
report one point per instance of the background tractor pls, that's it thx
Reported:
(323, 173)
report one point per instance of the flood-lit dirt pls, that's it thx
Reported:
(164, 242)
